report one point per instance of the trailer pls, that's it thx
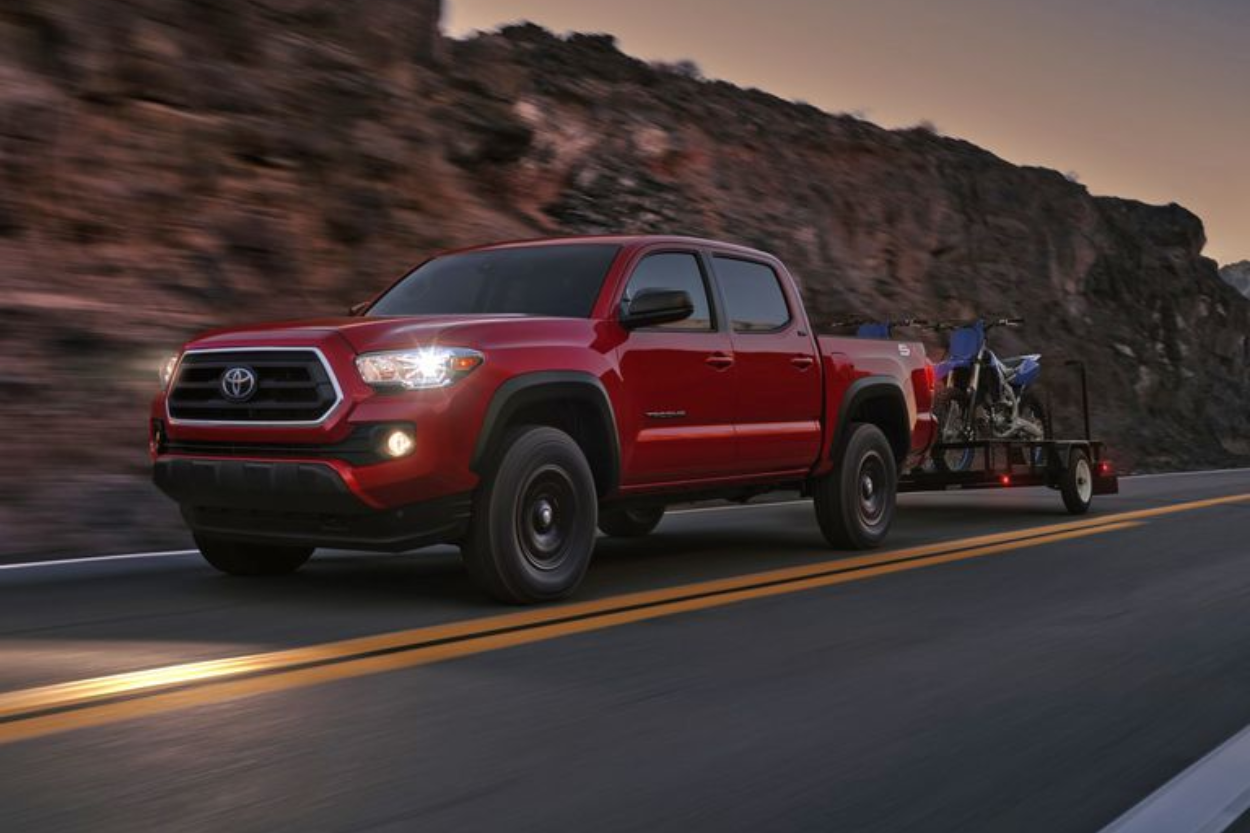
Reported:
(1077, 468)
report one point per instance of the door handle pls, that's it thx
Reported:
(720, 361)
(802, 362)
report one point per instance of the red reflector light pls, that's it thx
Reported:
(1104, 467)
(1005, 480)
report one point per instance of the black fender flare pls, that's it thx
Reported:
(543, 386)
(868, 389)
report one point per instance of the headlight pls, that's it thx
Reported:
(426, 367)
(167, 370)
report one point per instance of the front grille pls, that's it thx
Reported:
(292, 386)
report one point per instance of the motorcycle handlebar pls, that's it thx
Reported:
(942, 326)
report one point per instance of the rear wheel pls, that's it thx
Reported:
(953, 412)
(855, 502)
(1077, 483)
(1032, 410)
(241, 559)
(533, 526)
(630, 523)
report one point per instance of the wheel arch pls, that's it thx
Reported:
(879, 401)
(573, 401)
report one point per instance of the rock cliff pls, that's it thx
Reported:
(169, 165)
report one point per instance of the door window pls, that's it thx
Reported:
(753, 296)
(674, 270)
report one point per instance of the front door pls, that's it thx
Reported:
(678, 382)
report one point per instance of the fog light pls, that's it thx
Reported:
(399, 443)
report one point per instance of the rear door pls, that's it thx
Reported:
(778, 388)
(678, 381)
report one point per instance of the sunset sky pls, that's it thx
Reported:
(1147, 99)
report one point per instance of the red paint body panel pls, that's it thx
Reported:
(764, 410)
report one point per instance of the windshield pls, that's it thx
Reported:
(561, 281)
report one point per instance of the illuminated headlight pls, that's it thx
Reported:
(167, 370)
(426, 367)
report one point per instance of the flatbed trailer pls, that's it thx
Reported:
(1078, 468)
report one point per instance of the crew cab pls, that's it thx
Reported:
(512, 398)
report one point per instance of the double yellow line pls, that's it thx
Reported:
(41, 711)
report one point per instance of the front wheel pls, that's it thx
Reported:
(239, 559)
(855, 502)
(533, 526)
(630, 523)
(952, 409)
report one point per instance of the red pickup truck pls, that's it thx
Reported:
(512, 398)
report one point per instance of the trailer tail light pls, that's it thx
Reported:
(1104, 468)
(1005, 480)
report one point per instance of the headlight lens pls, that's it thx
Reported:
(167, 370)
(425, 367)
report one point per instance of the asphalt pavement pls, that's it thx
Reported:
(1000, 666)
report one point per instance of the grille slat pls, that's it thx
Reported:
(293, 386)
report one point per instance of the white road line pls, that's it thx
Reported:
(1206, 798)
(88, 559)
(1184, 473)
(738, 506)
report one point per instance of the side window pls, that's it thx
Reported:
(754, 300)
(674, 270)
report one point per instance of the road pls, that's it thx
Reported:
(999, 667)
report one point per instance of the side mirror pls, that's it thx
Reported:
(656, 306)
(357, 310)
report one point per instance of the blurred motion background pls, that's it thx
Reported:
(167, 166)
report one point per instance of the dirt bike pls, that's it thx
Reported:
(980, 396)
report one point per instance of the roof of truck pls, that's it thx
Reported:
(627, 240)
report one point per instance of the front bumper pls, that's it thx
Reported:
(301, 503)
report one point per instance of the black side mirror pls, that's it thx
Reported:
(357, 310)
(656, 306)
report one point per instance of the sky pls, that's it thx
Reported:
(1148, 99)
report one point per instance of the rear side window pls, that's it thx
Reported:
(753, 297)
(674, 270)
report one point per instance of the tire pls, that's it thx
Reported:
(952, 404)
(533, 527)
(241, 559)
(1030, 404)
(855, 502)
(630, 523)
(1077, 483)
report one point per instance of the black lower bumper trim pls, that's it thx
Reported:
(301, 504)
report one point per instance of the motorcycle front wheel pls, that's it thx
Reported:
(953, 413)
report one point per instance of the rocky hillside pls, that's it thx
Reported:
(1237, 275)
(169, 165)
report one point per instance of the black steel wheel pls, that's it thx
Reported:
(242, 559)
(855, 502)
(533, 527)
(633, 522)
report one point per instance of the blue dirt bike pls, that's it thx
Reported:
(981, 397)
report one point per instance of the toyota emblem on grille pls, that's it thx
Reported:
(238, 384)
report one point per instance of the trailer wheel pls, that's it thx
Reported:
(855, 502)
(1077, 483)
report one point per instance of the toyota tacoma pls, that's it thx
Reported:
(511, 399)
